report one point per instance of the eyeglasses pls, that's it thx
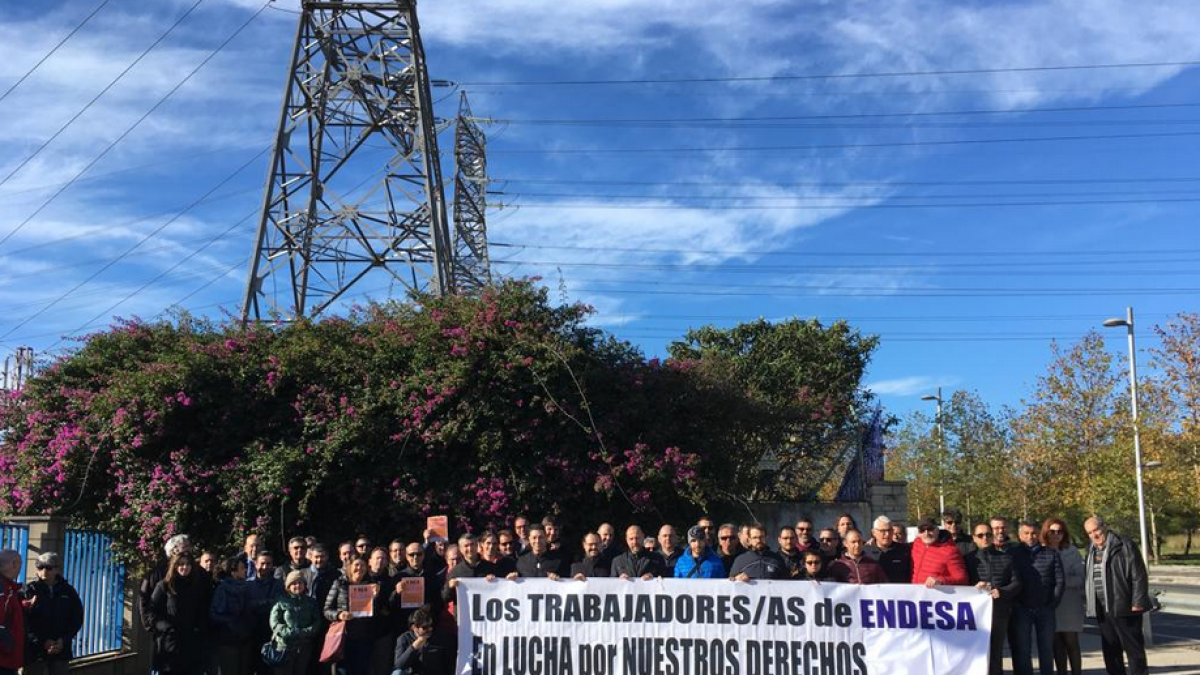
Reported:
(505, 544)
(807, 563)
(45, 567)
(415, 554)
(1054, 531)
(926, 529)
(828, 538)
(804, 529)
(983, 535)
(726, 538)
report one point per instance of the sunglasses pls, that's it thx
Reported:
(927, 529)
(983, 535)
(505, 543)
(45, 567)
(730, 538)
(811, 562)
(415, 554)
(828, 538)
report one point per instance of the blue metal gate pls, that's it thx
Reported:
(93, 569)
(15, 537)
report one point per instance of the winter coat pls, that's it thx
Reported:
(707, 567)
(965, 544)
(940, 559)
(12, 625)
(55, 613)
(865, 570)
(896, 561)
(398, 620)
(635, 566)
(1068, 617)
(146, 591)
(794, 563)
(360, 628)
(533, 566)
(319, 581)
(996, 567)
(1125, 582)
(263, 594)
(294, 620)
(765, 565)
(465, 570)
(435, 657)
(591, 567)
(1041, 572)
(179, 620)
(669, 559)
(288, 567)
(231, 613)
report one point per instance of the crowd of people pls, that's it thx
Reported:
(255, 612)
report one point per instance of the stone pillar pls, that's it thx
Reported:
(46, 534)
(890, 498)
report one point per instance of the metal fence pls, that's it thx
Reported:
(93, 569)
(15, 537)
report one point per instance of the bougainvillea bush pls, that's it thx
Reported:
(478, 407)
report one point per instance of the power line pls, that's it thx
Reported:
(971, 269)
(766, 252)
(843, 146)
(835, 292)
(835, 206)
(135, 125)
(844, 184)
(54, 49)
(131, 249)
(793, 197)
(825, 76)
(103, 91)
(669, 121)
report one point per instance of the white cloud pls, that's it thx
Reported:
(910, 386)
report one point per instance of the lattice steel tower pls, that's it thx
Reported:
(355, 184)
(472, 268)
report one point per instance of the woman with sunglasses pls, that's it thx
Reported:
(1068, 616)
(814, 566)
(990, 567)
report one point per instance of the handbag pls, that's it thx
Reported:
(272, 655)
(335, 640)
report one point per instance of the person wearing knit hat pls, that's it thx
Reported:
(295, 619)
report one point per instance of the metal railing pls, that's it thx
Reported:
(90, 565)
(15, 537)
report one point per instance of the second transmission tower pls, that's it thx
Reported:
(472, 267)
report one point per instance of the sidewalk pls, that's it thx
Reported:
(1177, 658)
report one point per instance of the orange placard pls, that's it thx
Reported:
(362, 598)
(412, 592)
(438, 526)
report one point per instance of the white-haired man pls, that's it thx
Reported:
(894, 557)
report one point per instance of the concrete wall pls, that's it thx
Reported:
(888, 498)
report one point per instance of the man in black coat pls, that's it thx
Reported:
(759, 562)
(54, 617)
(1042, 584)
(636, 562)
(538, 562)
(593, 563)
(1118, 594)
(894, 557)
(991, 568)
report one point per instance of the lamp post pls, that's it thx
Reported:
(1127, 322)
(942, 451)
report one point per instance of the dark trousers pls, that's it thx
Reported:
(1033, 625)
(1121, 636)
(1001, 615)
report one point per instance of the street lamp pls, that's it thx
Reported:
(1127, 322)
(942, 448)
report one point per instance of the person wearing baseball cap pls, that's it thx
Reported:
(699, 561)
(935, 558)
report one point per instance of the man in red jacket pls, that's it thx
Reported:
(12, 614)
(935, 558)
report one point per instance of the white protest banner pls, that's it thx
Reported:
(702, 627)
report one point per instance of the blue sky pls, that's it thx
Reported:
(964, 249)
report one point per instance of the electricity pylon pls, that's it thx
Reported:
(472, 267)
(355, 184)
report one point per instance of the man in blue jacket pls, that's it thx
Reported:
(700, 561)
(1042, 583)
